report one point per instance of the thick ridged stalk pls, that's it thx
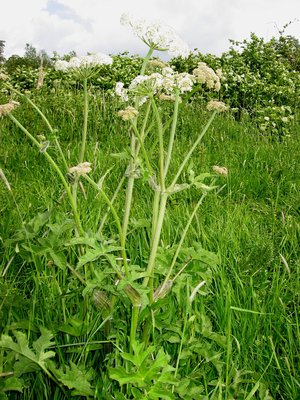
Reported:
(134, 147)
(172, 133)
(156, 238)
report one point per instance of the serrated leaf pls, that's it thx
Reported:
(75, 327)
(11, 383)
(76, 378)
(22, 346)
(119, 374)
(93, 254)
(41, 344)
(156, 393)
(23, 366)
(59, 259)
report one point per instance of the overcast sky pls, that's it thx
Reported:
(93, 25)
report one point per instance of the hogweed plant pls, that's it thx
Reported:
(140, 363)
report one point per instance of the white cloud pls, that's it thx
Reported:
(93, 25)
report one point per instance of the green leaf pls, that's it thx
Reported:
(93, 254)
(22, 346)
(11, 383)
(77, 378)
(59, 259)
(75, 327)
(157, 393)
(124, 155)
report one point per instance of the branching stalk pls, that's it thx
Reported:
(57, 169)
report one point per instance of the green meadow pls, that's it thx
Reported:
(168, 267)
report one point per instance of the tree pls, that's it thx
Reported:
(2, 45)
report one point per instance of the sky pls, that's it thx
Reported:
(94, 25)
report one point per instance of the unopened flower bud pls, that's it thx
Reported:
(133, 295)
(162, 290)
(101, 301)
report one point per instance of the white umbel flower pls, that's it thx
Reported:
(206, 75)
(92, 60)
(81, 169)
(157, 36)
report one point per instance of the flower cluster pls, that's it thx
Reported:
(215, 105)
(157, 36)
(8, 107)
(128, 113)
(166, 83)
(3, 77)
(220, 170)
(81, 169)
(206, 75)
(84, 62)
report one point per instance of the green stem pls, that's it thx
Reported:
(116, 218)
(128, 199)
(134, 324)
(134, 153)
(142, 147)
(188, 156)
(161, 144)
(146, 59)
(144, 132)
(112, 201)
(155, 209)
(45, 119)
(85, 121)
(183, 235)
(172, 133)
(57, 169)
(156, 238)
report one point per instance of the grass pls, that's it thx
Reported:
(239, 339)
